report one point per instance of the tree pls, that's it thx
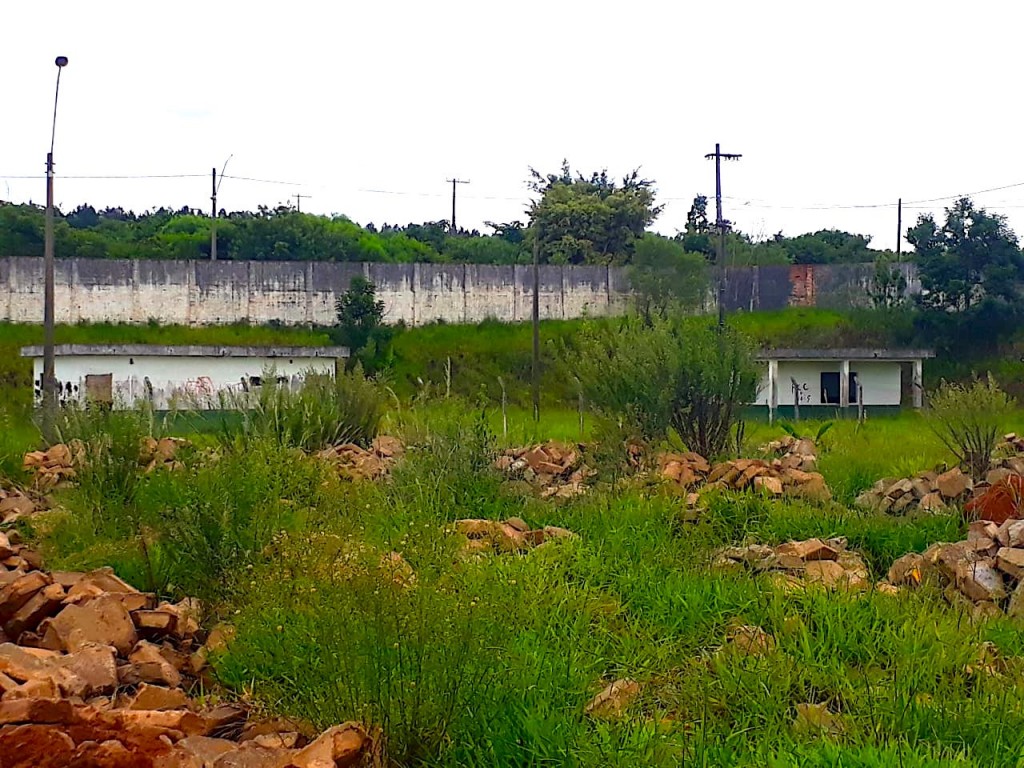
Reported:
(888, 286)
(361, 325)
(973, 257)
(590, 220)
(665, 277)
(828, 246)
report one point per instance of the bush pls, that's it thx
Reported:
(968, 418)
(324, 411)
(664, 375)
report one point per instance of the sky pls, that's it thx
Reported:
(366, 108)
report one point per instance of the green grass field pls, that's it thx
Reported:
(490, 661)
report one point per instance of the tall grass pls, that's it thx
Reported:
(323, 411)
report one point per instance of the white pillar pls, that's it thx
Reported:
(917, 385)
(844, 384)
(773, 389)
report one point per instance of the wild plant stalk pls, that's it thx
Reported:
(968, 419)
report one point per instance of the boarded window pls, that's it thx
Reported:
(99, 388)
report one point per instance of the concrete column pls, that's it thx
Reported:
(773, 389)
(308, 284)
(917, 385)
(844, 384)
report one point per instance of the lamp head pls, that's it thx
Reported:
(61, 61)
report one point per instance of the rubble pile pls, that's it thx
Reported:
(796, 564)
(986, 570)
(512, 535)
(770, 477)
(794, 452)
(926, 491)
(162, 453)
(94, 672)
(15, 504)
(553, 468)
(355, 463)
(55, 466)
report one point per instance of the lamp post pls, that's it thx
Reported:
(49, 382)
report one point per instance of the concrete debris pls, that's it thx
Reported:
(798, 564)
(554, 469)
(55, 466)
(353, 462)
(16, 504)
(94, 672)
(984, 572)
(613, 701)
(775, 477)
(512, 535)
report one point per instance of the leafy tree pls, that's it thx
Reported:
(361, 325)
(888, 286)
(665, 277)
(590, 220)
(972, 257)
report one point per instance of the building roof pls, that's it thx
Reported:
(163, 350)
(858, 354)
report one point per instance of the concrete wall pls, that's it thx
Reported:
(205, 293)
(197, 382)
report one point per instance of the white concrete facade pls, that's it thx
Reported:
(881, 382)
(171, 378)
(839, 378)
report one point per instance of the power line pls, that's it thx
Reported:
(137, 176)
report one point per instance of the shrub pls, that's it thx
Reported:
(663, 375)
(968, 419)
(324, 411)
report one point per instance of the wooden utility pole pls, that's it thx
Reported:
(536, 327)
(298, 202)
(453, 182)
(213, 219)
(721, 223)
(213, 213)
(899, 231)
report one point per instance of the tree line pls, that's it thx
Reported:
(576, 219)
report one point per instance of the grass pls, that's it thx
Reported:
(490, 661)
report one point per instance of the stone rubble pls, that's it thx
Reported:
(691, 472)
(794, 452)
(928, 491)
(355, 463)
(985, 571)
(554, 469)
(798, 564)
(94, 672)
(54, 467)
(613, 700)
(509, 536)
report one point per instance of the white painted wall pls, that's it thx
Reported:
(880, 380)
(176, 381)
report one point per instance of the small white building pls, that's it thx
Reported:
(174, 376)
(841, 378)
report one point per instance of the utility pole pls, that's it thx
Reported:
(453, 182)
(536, 327)
(298, 202)
(899, 231)
(722, 224)
(213, 216)
(49, 382)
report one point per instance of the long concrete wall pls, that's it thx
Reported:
(207, 293)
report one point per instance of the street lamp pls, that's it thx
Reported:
(49, 383)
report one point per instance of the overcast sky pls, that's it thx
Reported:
(368, 107)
